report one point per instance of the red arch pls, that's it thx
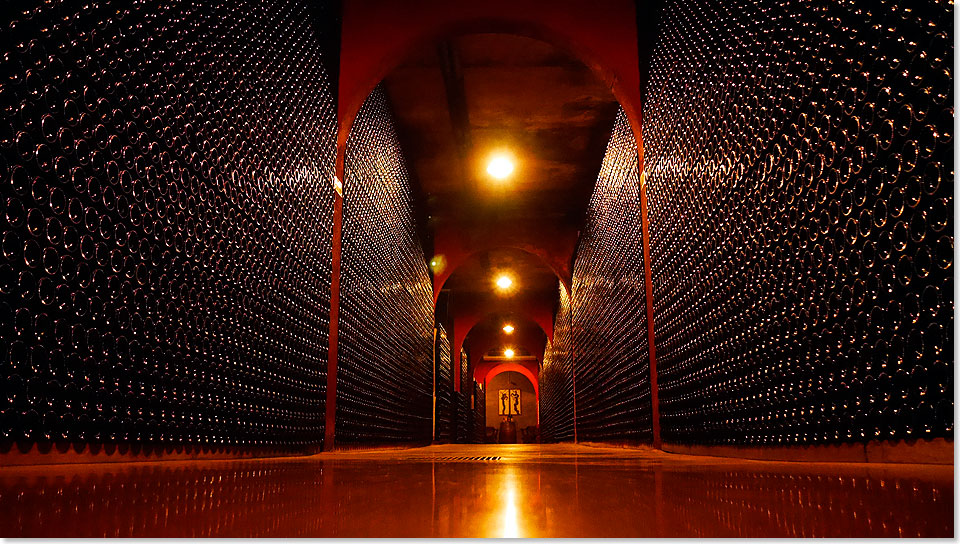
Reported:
(378, 34)
(522, 315)
(513, 367)
(458, 253)
(468, 313)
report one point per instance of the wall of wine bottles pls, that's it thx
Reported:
(166, 190)
(609, 303)
(464, 371)
(478, 423)
(464, 418)
(800, 176)
(385, 349)
(446, 398)
(557, 378)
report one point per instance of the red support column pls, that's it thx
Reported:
(648, 285)
(433, 410)
(573, 371)
(329, 437)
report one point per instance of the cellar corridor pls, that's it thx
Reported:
(476, 268)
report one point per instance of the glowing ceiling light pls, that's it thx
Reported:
(500, 166)
(508, 353)
(438, 263)
(504, 282)
(508, 329)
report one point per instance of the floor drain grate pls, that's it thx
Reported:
(489, 458)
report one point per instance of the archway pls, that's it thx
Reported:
(470, 303)
(500, 382)
(573, 36)
(452, 252)
(513, 367)
(378, 34)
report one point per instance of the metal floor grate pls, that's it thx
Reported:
(458, 458)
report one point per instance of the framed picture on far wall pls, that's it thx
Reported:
(509, 404)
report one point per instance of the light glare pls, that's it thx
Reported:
(508, 353)
(504, 282)
(508, 329)
(500, 167)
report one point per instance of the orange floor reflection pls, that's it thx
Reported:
(562, 491)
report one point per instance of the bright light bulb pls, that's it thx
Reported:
(504, 282)
(438, 263)
(508, 329)
(508, 353)
(500, 167)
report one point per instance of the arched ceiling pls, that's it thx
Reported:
(512, 367)
(458, 101)
(467, 80)
(495, 322)
(487, 337)
(478, 274)
(462, 99)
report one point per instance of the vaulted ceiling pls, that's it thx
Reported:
(461, 100)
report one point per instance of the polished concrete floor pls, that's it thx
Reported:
(518, 490)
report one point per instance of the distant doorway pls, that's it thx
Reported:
(523, 400)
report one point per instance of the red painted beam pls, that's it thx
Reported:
(329, 431)
(648, 286)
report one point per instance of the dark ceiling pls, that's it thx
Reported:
(461, 100)
(457, 102)
(478, 274)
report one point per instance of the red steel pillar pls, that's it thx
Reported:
(648, 285)
(329, 434)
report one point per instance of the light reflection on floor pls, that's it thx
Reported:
(509, 524)
(560, 490)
